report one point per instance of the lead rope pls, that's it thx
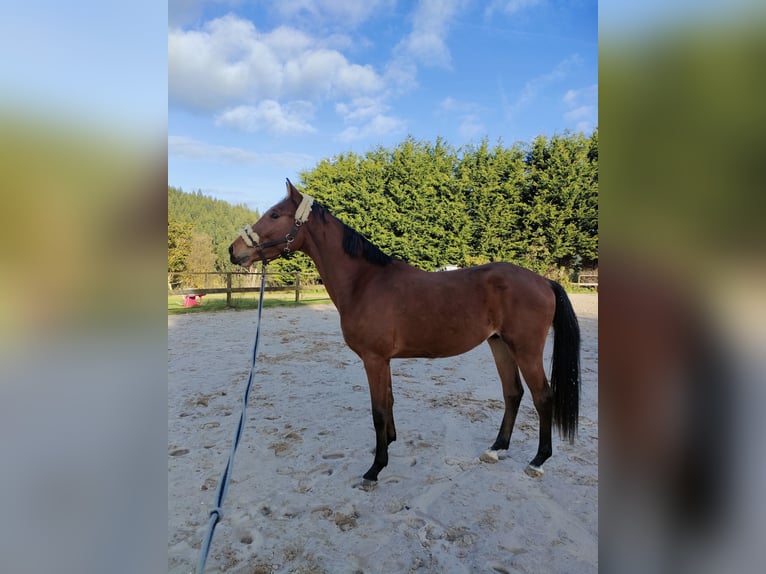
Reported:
(223, 485)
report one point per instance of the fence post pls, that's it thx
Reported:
(297, 286)
(228, 289)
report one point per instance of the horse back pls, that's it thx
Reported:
(407, 312)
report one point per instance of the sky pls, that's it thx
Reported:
(259, 91)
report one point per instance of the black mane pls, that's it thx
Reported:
(355, 244)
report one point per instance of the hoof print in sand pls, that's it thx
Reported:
(346, 521)
(333, 456)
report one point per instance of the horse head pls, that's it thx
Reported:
(276, 233)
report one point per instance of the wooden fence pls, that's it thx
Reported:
(588, 279)
(241, 282)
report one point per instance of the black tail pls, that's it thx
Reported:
(565, 366)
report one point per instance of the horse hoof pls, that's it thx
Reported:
(365, 485)
(371, 475)
(489, 456)
(534, 471)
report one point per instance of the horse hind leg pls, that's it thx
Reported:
(532, 368)
(512, 390)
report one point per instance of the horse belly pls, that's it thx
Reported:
(439, 340)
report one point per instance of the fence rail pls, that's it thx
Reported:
(208, 284)
(589, 279)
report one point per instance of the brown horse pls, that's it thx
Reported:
(389, 309)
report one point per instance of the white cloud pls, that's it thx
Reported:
(401, 75)
(380, 125)
(270, 116)
(471, 127)
(572, 97)
(582, 108)
(429, 48)
(469, 115)
(532, 88)
(224, 62)
(368, 118)
(346, 13)
(580, 113)
(426, 44)
(451, 105)
(510, 7)
(188, 148)
(360, 109)
(327, 73)
(229, 62)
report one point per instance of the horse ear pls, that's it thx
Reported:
(293, 193)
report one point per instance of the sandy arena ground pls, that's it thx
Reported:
(296, 503)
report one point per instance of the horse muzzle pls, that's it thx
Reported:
(253, 241)
(241, 260)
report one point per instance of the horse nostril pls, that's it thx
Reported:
(231, 249)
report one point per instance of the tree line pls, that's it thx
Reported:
(534, 204)
(200, 229)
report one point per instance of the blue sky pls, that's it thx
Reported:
(258, 91)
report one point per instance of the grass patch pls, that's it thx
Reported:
(575, 288)
(217, 301)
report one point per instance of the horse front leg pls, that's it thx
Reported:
(379, 379)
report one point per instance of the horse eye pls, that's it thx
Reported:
(274, 215)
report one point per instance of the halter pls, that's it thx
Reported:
(251, 238)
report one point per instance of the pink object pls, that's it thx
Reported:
(191, 300)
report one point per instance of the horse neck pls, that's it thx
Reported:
(340, 272)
